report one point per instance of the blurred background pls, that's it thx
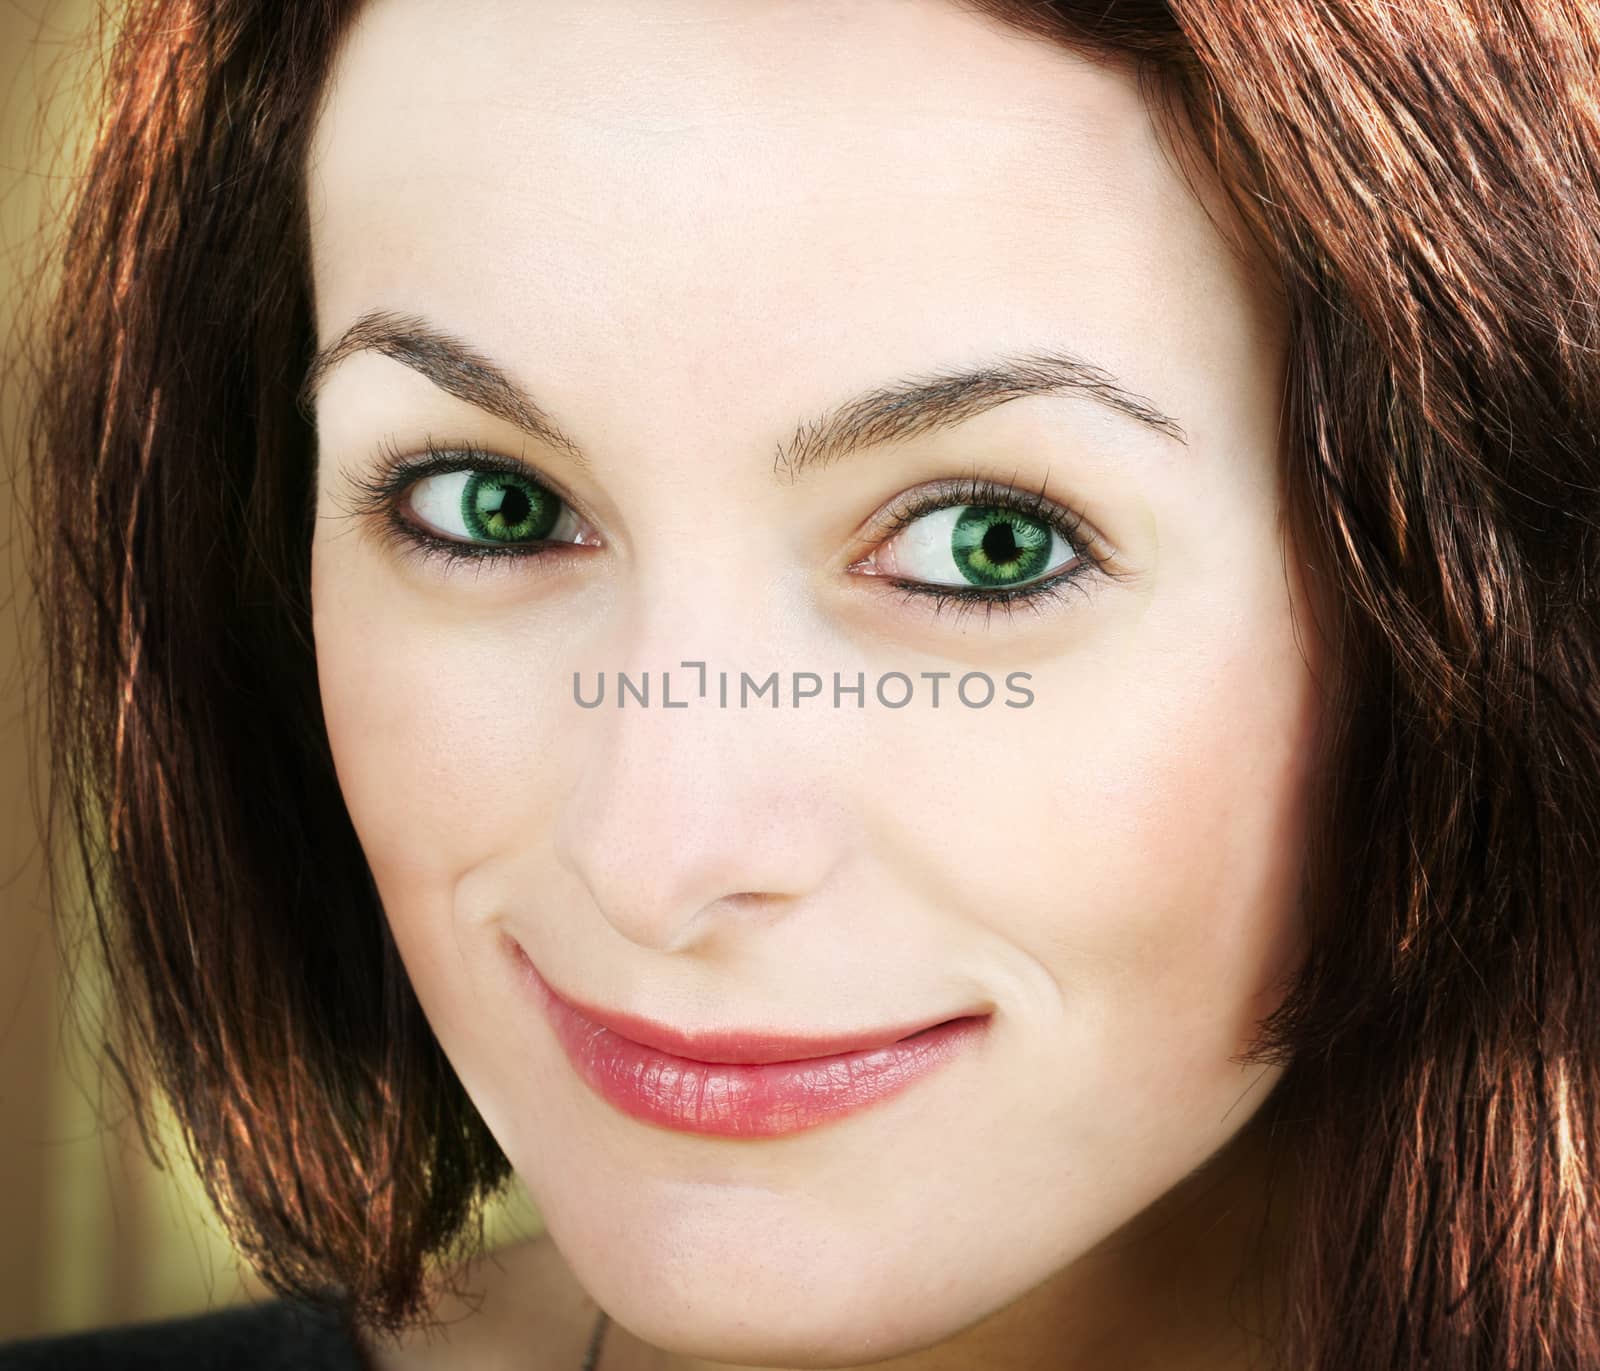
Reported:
(91, 1233)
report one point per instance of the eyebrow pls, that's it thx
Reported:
(891, 412)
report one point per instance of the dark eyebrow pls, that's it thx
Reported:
(897, 410)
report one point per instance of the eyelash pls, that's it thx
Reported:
(380, 494)
(975, 489)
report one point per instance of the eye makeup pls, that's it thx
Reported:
(1003, 544)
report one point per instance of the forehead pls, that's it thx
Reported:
(652, 186)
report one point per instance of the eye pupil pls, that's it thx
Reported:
(514, 506)
(998, 544)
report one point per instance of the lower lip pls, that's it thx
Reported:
(730, 1099)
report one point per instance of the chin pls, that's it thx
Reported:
(775, 1305)
(799, 1334)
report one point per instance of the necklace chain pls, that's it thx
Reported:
(591, 1358)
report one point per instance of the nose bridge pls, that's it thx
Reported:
(689, 790)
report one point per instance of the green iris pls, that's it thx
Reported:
(500, 507)
(999, 547)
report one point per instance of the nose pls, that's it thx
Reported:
(686, 822)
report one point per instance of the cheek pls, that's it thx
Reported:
(1132, 842)
(436, 740)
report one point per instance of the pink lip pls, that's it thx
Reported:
(755, 1084)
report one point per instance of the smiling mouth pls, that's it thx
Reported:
(741, 1046)
(776, 1085)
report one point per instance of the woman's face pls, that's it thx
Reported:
(723, 249)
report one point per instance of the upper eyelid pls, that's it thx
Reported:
(977, 489)
(399, 470)
(402, 469)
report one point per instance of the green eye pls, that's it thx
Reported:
(979, 545)
(502, 507)
(968, 544)
(491, 507)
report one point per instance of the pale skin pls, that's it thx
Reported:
(686, 227)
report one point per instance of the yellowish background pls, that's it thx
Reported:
(91, 1234)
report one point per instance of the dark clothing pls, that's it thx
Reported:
(272, 1335)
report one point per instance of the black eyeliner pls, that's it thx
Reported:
(380, 493)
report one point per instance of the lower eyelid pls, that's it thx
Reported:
(1035, 596)
(420, 544)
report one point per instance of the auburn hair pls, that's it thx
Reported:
(1423, 177)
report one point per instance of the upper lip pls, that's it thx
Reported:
(747, 1046)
